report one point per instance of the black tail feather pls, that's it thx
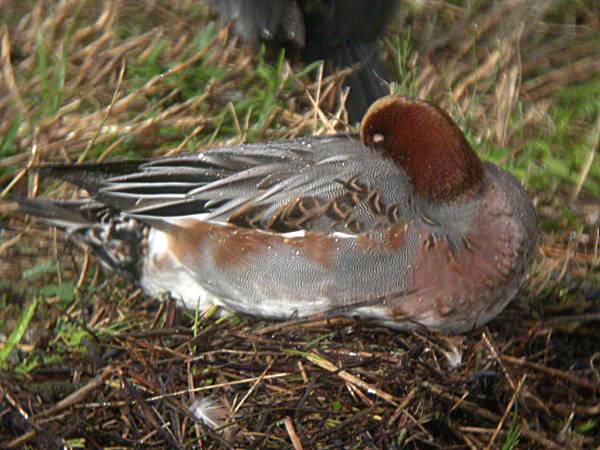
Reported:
(89, 176)
(63, 214)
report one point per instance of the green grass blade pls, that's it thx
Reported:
(17, 334)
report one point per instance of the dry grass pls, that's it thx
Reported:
(97, 364)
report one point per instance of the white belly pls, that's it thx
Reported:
(163, 274)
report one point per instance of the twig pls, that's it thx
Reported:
(79, 394)
(488, 415)
(106, 113)
(506, 412)
(493, 351)
(552, 372)
(258, 380)
(587, 166)
(9, 75)
(587, 317)
(219, 385)
(289, 426)
(323, 363)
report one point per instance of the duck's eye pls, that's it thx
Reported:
(378, 138)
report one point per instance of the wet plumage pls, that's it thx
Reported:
(323, 224)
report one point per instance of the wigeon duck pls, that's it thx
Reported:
(343, 34)
(406, 225)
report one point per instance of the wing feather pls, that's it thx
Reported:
(274, 186)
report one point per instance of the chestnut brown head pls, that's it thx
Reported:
(425, 142)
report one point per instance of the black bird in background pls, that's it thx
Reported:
(342, 33)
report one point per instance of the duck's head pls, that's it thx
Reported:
(425, 142)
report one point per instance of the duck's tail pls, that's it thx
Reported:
(118, 241)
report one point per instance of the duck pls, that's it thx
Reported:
(342, 34)
(402, 224)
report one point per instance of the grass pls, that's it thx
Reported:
(564, 143)
(512, 436)
(18, 332)
(89, 361)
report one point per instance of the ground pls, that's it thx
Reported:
(88, 361)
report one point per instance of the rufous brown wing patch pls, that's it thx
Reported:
(233, 246)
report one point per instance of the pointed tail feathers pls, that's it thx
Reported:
(118, 241)
(62, 214)
(89, 176)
